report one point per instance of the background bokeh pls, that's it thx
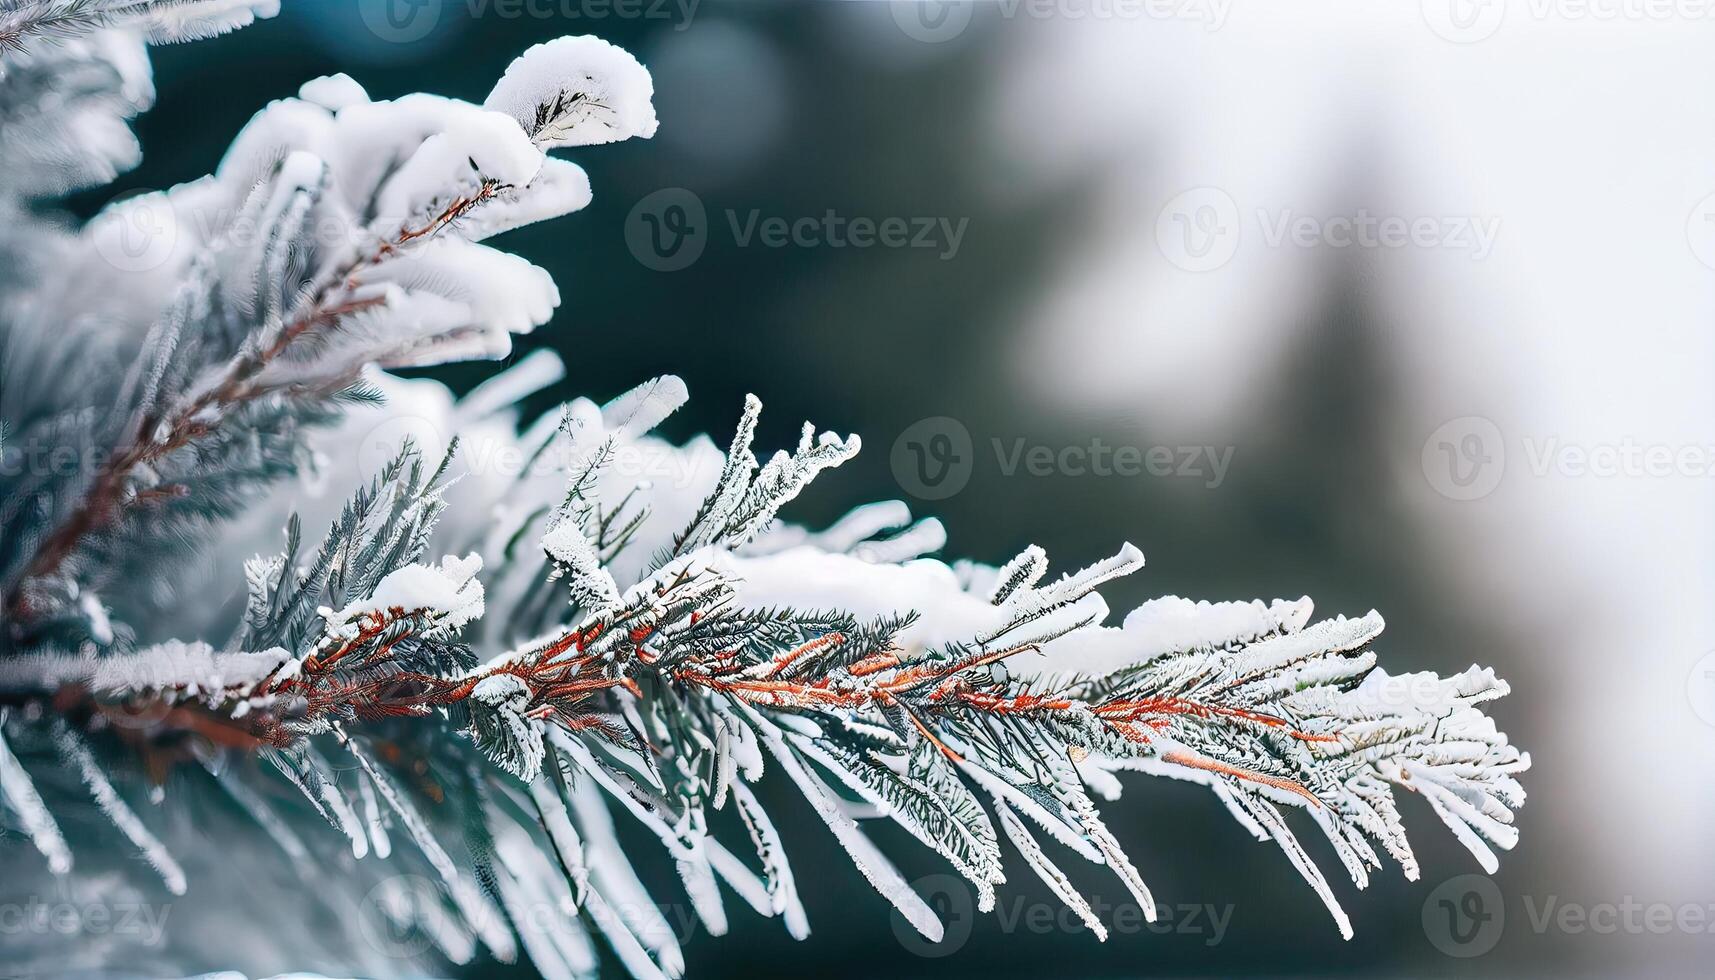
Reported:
(1160, 210)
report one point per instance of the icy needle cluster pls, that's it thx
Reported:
(461, 683)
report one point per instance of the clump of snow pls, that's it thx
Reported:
(559, 188)
(1426, 692)
(808, 578)
(577, 91)
(500, 688)
(526, 376)
(644, 407)
(333, 92)
(505, 735)
(444, 300)
(448, 592)
(443, 164)
(174, 668)
(575, 556)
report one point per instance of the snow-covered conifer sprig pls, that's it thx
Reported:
(470, 676)
(23, 22)
(930, 698)
(327, 262)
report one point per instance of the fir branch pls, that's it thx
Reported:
(280, 342)
(477, 720)
(163, 21)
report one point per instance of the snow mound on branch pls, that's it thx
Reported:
(806, 577)
(1168, 625)
(187, 669)
(333, 92)
(576, 91)
(449, 593)
(559, 187)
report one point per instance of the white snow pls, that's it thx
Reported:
(806, 578)
(448, 592)
(592, 585)
(77, 754)
(1167, 625)
(501, 293)
(190, 669)
(558, 188)
(333, 92)
(185, 21)
(442, 165)
(605, 93)
(523, 378)
(19, 793)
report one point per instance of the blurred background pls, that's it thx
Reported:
(1403, 306)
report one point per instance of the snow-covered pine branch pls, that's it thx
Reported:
(474, 673)
(26, 23)
(337, 232)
